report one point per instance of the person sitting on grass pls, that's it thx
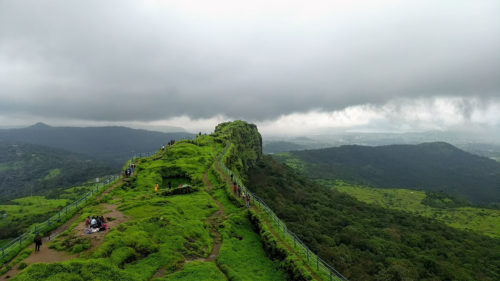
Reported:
(93, 223)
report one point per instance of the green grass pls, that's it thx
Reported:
(194, 271)
(166, 232)
(242, 256)
(52, 174)
(480, 220)
(26, 211)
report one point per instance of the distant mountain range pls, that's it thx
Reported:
(435, 166)
(483, 143)
(114, 145)
(27, 169)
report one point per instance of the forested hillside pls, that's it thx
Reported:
(112, 144)
(366, 242)
(27, 169)
(428, 166)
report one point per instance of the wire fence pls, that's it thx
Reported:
(12, 248)
(314, 261)
(9, 250)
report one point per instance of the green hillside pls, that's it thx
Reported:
(429, 166)
(27, 169)
(197, 230)
(427, 204)
(367, 242)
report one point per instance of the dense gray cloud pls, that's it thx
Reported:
(154, 60)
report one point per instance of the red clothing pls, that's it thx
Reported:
(234, 188)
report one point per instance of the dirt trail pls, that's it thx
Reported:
(268, 224)
(215, 220)
(47, 255)
(113, 219)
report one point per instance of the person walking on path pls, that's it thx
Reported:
(87, 222)
(239, 191)
(248, 200)
(38, 242)
(234, 189)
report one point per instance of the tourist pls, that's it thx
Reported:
(38, 242)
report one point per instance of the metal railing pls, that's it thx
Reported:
(12, 248)
(9, 250)
(314, 261)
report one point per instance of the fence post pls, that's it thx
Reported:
(294, 242)
(307, 254)
(317, 262)
(3, 252)
(20, 239)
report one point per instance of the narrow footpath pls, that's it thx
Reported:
(48, 255)
(215, 221)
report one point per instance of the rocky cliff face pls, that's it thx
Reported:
(246, 145)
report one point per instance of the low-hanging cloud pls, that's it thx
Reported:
(155, 60)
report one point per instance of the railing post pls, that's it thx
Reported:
(294, 242)
(20, 239)
(307, 254)
(317, 262)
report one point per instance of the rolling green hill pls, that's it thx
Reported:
(441, 207)
(428, 166)
(27, 169)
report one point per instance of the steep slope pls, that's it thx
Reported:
(27, 169)
(113, 144)
(429, 166)
(366, 242)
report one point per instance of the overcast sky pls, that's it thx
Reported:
(292, 67)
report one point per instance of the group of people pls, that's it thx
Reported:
(240, 194)
(130, 170)
(171, 142)
(95, 224)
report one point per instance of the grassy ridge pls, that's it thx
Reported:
(480, 220)
(163, 231)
